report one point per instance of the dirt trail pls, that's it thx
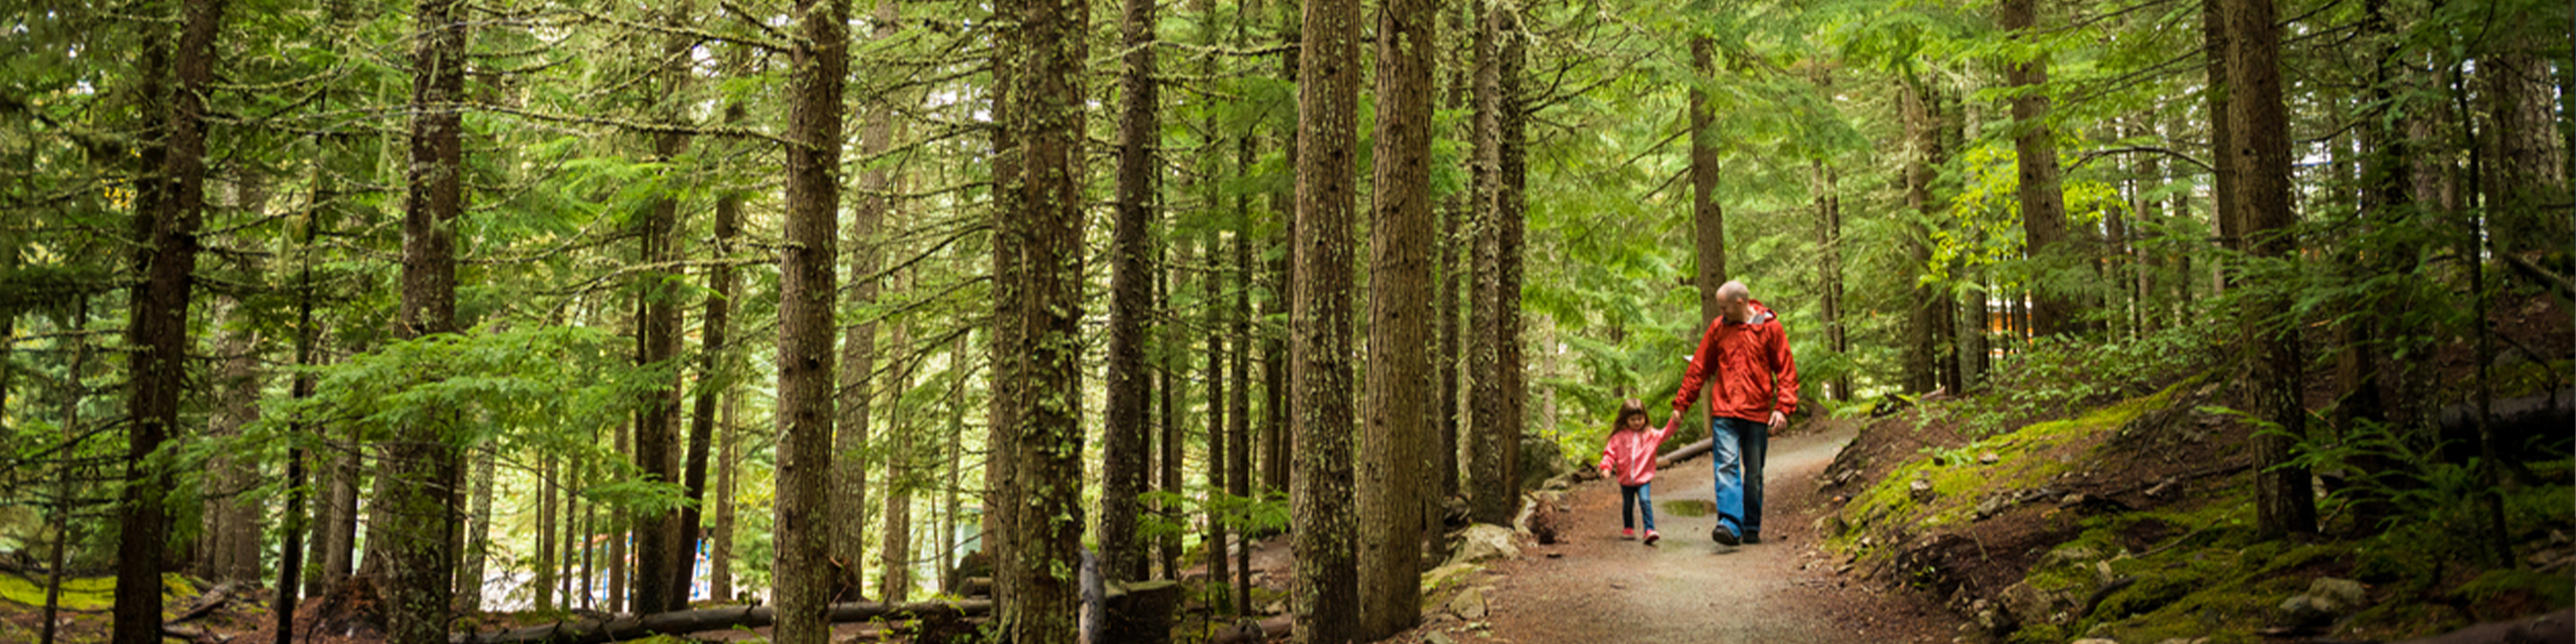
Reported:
(1600, 589)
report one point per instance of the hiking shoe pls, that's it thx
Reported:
(1751, 538)
(1651, 537)
(1630, 533)
(1723, 536)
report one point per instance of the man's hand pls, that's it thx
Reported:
(1778, 421)
(1675, 421)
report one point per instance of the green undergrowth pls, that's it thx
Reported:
(2197, 568)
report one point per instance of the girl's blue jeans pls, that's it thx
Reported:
(1634, 499)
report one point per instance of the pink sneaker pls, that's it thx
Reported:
(1629, 533)
(1651, 537)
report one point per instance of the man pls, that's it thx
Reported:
(1752, 395)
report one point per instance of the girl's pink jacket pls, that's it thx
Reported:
(1631, 455)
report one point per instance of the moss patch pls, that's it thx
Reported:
(87, 593)
(1960, 479)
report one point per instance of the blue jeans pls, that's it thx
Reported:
(1739, 448)
(1634, 499)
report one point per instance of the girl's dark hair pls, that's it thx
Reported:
(1627, 408)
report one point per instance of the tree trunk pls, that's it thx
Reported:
(414, 507)
(1829, 203)
(75, 392)
(2222, 144)
(478, 538)
(621, 535)
(1708, 217)
(2043, 204)
(715, 339)
(1283, 267)
(956, 442)
(290, 555)
(1238, 429)
(1324, 596)
(587, 530)
(659, 575)
(1041, 226)
(851, 437)
(1512, 208)
(1131, 293)
(1455, 234)
(1487, 471)
(1211, 280)
(1173, 339)
(232, 532)
(2284, 504)
(1391, 477)
(544, 565)
(159, 328)
(1920, 160)
(895, 546)
(2526, 168)
(335, 542)
(802, 578)
(720, 531)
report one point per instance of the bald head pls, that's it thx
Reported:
(1734, 301)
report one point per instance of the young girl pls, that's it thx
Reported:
(1630, 456)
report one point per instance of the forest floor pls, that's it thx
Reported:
(1594, 587)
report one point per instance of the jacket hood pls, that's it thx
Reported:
(1761, 313)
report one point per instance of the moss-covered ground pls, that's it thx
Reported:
(2191, 565)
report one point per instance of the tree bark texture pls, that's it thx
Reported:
(415, 501)
(2043, 204)
(1122, 555)
(852, 433)
(1708, 217)
(159, 327)
(477, 541)
(2526, 168)
(1391, 477)
(802, 579)
(894, 548)
(1829, 207)
(657, 439)
(1042, 225)
(1169, 423)
(2222, 147)
(1487, 469)
(1212, 292)
(715, 340)
(1238, 426)
(720, 530)
(232, 531)
(1324, 596)
(2284, 502)
(1923, 151)
(1511, 206)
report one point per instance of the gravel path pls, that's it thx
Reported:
(1600, 589)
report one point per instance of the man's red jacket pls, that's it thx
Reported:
(1745, 357)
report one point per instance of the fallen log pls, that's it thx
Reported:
(624, 627)
(207, 603)
(1685, 452)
